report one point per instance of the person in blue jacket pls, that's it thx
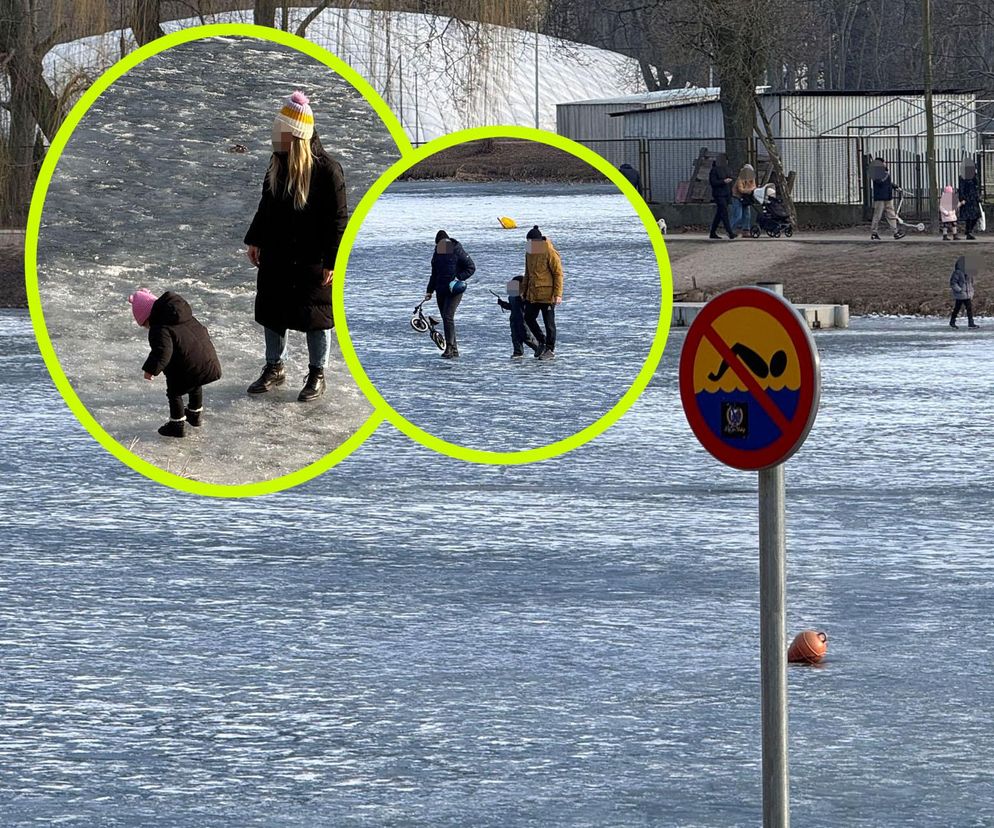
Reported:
(451, 267)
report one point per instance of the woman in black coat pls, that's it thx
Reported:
(293, 241)
(450, 265)
(969, 194)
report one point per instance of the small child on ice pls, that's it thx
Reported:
(947, 213)
(520, 335)
(182, 350)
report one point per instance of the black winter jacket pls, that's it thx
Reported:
(720, 189)
(883, 190)
(448, 266)
(295, 248)
(969, 193)
(181, 347)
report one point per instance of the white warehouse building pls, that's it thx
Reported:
(824, 136)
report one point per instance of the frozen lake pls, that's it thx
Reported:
(147, 193)
(573, 643)
(484, 400)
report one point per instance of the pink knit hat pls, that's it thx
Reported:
(141, 304)
(296, 117)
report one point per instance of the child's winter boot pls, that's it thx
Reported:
(195, 418)
(173, 428)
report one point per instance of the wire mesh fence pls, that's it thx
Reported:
(827, 169)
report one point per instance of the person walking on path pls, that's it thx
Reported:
(293, 241)
(883, 199)
(451, 267)
(947, 213)
(720, 179)
(181, 348)
(542, 290)
(633, 176)
(520, 335)
(962, 285)
(742, 190)
(969, 194)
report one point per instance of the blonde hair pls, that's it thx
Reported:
(298, 179)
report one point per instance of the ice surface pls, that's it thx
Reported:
(413, 640)
(435, 83)
(147, 193)
(484, 400)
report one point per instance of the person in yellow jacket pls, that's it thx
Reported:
(542, 290)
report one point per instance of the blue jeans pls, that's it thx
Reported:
(741, 215)
(318, 347)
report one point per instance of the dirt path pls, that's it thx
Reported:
(883, 277)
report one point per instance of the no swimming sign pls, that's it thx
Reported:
(749, 378)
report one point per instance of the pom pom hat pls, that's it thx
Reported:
(296, 116)
(141, 304)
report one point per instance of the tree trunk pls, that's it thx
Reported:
(145, 21)
(264, 13)
(738, 115)
(652, 82)
(17, 40)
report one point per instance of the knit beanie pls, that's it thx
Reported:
(296, 117)
(141, 304)
(535, 233)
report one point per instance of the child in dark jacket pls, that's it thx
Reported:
(182, 350)
(520, 335)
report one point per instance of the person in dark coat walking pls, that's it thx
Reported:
(720, 179)
(883, 199)
(293, 241)
(451, 267)
(520, 334)
(969, 193)
(962, 283)
(181, 348)
(632, 174)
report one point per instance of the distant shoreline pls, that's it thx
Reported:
(491, 161)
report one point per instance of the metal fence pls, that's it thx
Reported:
(828, 169)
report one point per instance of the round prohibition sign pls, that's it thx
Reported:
(750, 379)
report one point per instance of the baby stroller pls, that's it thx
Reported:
(774, 220)
(421, 323)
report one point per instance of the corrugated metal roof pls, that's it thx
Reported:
(660, 97)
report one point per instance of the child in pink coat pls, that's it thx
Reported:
(947, 213)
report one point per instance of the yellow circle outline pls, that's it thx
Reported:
(540, 452)
(34, 224)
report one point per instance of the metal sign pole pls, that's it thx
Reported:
(772, 646)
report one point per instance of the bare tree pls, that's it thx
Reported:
(145, 21)
(264, 13)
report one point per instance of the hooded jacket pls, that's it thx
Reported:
(720, 189)
(543, 280)
(947, 207)
(883, 189)
(296, 246)
(961, 282)
(448, 266)
(181, 346)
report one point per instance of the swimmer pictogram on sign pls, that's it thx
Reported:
(749, 378)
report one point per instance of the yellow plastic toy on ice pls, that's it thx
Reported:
(507, 223)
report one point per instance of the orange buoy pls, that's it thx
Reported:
(808, 647)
